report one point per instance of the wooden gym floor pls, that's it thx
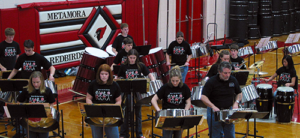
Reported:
(72, 116)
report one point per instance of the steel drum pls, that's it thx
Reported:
(195, 51)
(175, 112)
(145, 98)
(43, 124)
(159, 55)
(293, 49)
(196, 96)
(92, 58)
(50, 84)
(224, 115)
(249, 93)
(245, 52)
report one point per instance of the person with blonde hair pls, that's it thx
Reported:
(175, 95)
(104, 90)
(36, 92)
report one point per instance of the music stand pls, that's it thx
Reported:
(14, 86)
(116, 69)
(143, 50)
(27, 111)
(5, 75)
(179, 123)
(130, 87)
(248, 115)
(241, 76)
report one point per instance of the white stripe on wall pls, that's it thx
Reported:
(115, 9)
(60, 45)
(60, 29)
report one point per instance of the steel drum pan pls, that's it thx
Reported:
(92, 58)
(249, 93)
(293, 49)
(43, 124)
(50, 84)
(272, 45)
(285, 101)
(145, 98)
(245, 52)
(175, 112)
(224, 115)
(196, 96)
(198, 50)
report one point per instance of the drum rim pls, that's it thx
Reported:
(153, 50)
(109, 51)
(285, 89)
(262, 86)
(91, 51)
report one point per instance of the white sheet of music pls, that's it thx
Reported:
(296, 38)
(290, 38)
(263, 42)
(6, 112)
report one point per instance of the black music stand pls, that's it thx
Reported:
(116, 69)
(143, 50)
(5, 75)
(130, 87)
(185, 122)
(248, 115)
(13, 86)
(102, 111)
(27, 111)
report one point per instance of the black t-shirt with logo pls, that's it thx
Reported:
(132, 71)
(121, 57)
(236, 62)
(285, 76)
(179, 52)
(8, 54)
(32, 63)
(174, 97)
(221, 93)
(118, 43)
(104, 93)
(36, 96)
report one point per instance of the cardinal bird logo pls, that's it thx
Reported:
(99, 33)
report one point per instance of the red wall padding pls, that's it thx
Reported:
(29, 27)
(59, 37)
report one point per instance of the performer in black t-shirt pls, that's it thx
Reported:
(181, 54)
(223, 56)
(236, 61)
(287, 75)
(131, 69)
(104, 90)
(9, 51)
(122, 55)
(118, 44)
(31, 61)
(221, 91)
(36, 92)
(175, 95)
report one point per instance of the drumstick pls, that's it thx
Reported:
(242, 64)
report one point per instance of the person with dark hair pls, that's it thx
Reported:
(122, 55)
(236, 61)
(181, 54)
(104, 90)
(132, 68)
(118, 44)
(223, 56)
(36, 92)
(31, 61)
(287, 76)
(169, 92)
(9, 51)
(221, 91)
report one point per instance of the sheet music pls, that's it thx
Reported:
(296, 38)
(263, 42)
(290, 38)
